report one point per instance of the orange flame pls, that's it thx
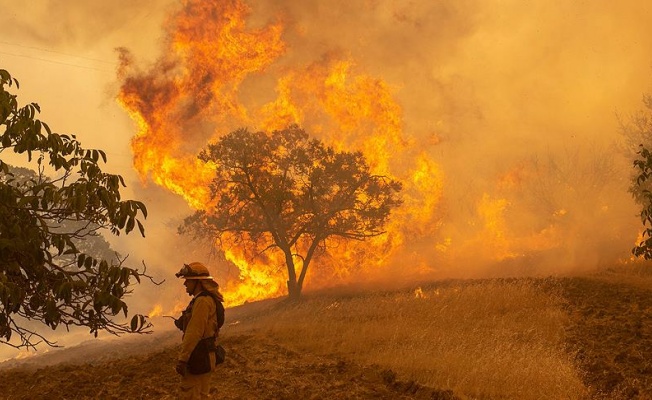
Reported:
(157, 311)
(194, 94)
(214, 77)
(492, 212)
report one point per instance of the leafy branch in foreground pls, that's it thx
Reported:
(643, 164)
(46, 274)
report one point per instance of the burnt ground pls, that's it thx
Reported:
(255, 366)
(612, 336)
(610, 333)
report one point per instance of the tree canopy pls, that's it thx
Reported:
(286, 192)
(50, 272)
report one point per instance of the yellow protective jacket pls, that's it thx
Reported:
(201, 324)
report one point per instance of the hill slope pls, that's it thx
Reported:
(256, 368)
(276, 352)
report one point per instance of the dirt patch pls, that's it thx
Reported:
(263, 369)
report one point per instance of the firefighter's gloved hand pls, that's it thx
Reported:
(181, 368)
(179, 323)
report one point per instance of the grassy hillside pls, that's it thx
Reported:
(482, 339)
(571, 338)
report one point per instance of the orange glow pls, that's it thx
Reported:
(256, 280)
(24, 354)
(348, 110)
(193, 96)
(157, 311)
(174, 311)
(492, 212)
(192, 92)
(218, 74)
(207, 84)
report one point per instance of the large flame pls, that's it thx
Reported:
(192, 92)
(218, 74)
(193, 95)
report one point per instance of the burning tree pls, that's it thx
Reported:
(46, 275)
(289, 193)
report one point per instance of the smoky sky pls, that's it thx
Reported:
(73, 24)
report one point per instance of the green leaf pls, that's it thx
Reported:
(122, 221)
(5, 76)
(141, 228)
(141, 207)
(39, 219)
(130, 225)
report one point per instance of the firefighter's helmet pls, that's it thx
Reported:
(195, 270)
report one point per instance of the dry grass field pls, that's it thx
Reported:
(483, 340)
(555, 338)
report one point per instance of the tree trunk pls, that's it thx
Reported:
(306, 262)
(294, 290)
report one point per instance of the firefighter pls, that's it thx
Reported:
(200, 324)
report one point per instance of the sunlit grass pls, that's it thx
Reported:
(483, 340)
